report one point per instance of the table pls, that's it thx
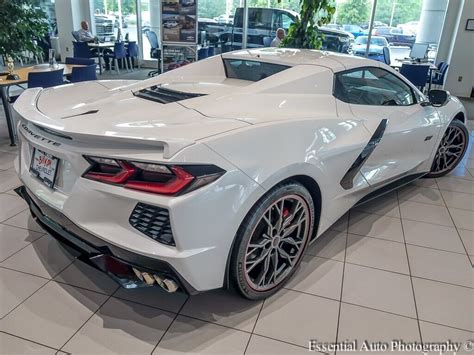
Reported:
(100, 50)
(23, 74)
(397, 64)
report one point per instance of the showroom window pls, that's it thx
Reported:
(372, 86)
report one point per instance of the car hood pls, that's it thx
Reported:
(109, 109)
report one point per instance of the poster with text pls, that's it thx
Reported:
(179, 21)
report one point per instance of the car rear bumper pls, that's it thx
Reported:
(118, 263)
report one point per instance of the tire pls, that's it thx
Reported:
(276, 231)
(451, 150)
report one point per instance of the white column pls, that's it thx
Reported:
(431, 21)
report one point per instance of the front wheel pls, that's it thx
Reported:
(271, 241)
(451, 150)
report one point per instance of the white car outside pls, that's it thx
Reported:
(223, 171)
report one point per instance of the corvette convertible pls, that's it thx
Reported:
(222, 172)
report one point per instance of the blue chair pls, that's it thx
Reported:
(267, 41)
(81, 50)
(84, 73)
(386, 55)
(155, 51)
(132, 53)
(203, 53)
(80, 61)
(415, 73)
(45, 79)
(440, 75)
(119, 53)
(75, 35)
(211, 51)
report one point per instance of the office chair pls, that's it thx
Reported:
(84, 73)
(81, 50)
(415, 73)
(155, 51)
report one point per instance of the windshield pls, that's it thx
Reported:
(250, 70)
(373, 41)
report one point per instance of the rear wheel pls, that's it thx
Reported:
(451, 150)
(271, 241)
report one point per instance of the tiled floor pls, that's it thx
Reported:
(397, 268)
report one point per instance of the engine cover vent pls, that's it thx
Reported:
(164, 96)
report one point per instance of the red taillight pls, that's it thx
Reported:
(148, 177)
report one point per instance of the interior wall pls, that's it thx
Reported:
(69, 14)
(460, 76)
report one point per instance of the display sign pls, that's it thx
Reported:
(177, 56)
(179, 21)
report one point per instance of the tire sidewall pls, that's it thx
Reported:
(245, 233)
(462, 126)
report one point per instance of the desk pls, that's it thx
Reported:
(100, 50)
(397, 64)
(23, 74)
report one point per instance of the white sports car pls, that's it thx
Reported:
(220, 173)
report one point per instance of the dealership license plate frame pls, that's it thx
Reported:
(41, 176)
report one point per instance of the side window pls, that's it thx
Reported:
(286, 21)
(372, 86)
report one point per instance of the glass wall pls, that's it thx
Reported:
(114, 18)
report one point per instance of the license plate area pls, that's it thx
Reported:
(44, 166)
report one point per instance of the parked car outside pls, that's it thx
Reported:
(354, 29)
(376, 45)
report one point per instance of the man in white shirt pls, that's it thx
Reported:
(280, 35)
(84, 34)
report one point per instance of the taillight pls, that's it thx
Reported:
(149, 177)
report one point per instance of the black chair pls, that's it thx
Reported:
(415, 73)
(80, 61)
(155, 51)
(84, 73)
(386, 55)
(81, 50)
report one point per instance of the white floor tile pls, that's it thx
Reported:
(260, 345)
(296, 318)
(10, 206)
(431, 183)
(82, 275)
(378, 289)
(463, 219)
(373, 326)
(188, 335)
(377, 253)
(421, 194)
(223, 308)
(121, 327)
(331, 244)
(441, 266)
(12, 345)
(386, 205)
(318, 276)
(15, 287)
(13, 239)
(444, 304)
(153, 296)
(341, 224)
(52, 314)
(458, 200)
(432, 236)
(423, 212)
(6, 160)
(45, 257)
(24, 220)
(467, 237)
(377, 226)
(434, 333)
(461, 172)
(456, 185)
(8, 180)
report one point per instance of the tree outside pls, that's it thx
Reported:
(353, 12)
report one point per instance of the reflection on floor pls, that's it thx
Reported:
(397, 268)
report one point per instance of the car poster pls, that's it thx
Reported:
(179, 21)
(177, 56)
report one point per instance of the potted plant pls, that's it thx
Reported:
(20, 24)
(303, 32)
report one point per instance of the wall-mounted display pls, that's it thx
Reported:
(179, 21)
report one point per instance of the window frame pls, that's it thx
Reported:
(413, 93)
(224, 59)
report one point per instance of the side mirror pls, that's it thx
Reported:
(438, 98)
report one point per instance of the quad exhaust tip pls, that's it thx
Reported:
(168, 285)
